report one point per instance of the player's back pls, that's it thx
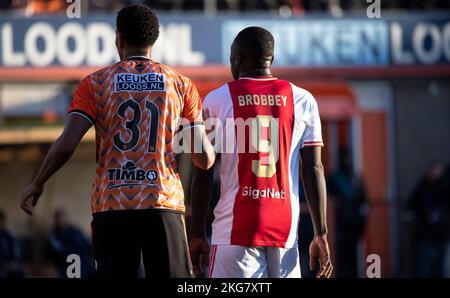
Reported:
(136, 106)
(259, 197)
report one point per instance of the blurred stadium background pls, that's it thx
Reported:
(382, 85)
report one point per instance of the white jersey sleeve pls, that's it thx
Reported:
(305, 106)
(217, 102)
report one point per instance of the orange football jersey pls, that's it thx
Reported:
(136, 106)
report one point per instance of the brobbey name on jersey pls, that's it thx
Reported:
(254, 193)
(262, 100)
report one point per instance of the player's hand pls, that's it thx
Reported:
(319, 251)
(199, 251)
(30, 196)
(206, 114)
(208, 124)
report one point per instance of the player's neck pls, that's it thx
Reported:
(258, 72)
(127, 53)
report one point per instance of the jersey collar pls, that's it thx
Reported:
(137, 57)
(259, 78)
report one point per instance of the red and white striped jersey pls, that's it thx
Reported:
(259, 200)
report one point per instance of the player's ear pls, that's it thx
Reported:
(119, 42)
(116, 41)
(239, 58)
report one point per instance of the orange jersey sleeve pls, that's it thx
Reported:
(192, 110)
(83, 101)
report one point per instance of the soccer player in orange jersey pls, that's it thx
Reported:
(137, 197)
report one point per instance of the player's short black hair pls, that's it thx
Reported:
(257, 41)
(138, 25)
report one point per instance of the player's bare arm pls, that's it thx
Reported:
(202, 182)
(59, 153)
(199, 140)
(315, 189)
(201, 191)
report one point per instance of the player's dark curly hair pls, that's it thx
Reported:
(138, 25)
(257, 41)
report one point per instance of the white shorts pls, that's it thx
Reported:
(234, 261)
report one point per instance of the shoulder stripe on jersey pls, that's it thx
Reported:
(84, 114)
(312, 142)
(318, 144)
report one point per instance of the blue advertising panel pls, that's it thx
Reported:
(315, 43)
(196, 40)
(420, 41)
(89, 41)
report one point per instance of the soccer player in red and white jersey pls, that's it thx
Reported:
(137, 197)
(254, 233)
